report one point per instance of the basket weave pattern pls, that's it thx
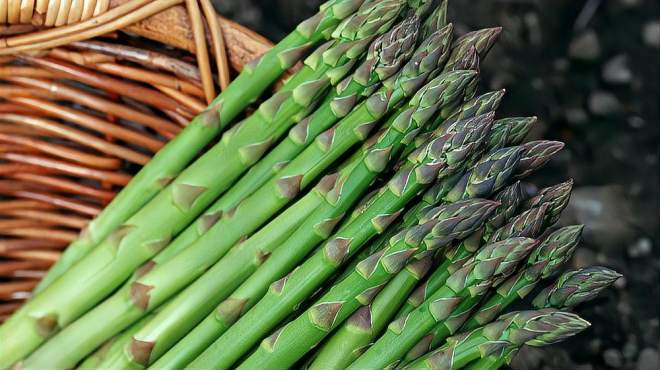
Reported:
(50, 12)
(77, 120)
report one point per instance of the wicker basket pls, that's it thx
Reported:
(85, 103)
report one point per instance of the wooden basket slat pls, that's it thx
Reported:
(77, 120)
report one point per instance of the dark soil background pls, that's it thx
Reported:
(590, 70)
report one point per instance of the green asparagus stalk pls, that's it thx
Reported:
(436, 20)
(140, 296)
(439, 157)
(530, 223)
(550, 207)
(509, 198)
(465, 55)
(527, 224)
(545, 261)
(486, 177)
(536, 154)
(556, 197)
(421, 8)
(575, 287)
(385, 56)
(438, 192)
(509, 132)
(437, 228)
(482, 104)
(351, 182)
(464, 287)
(584, 285)
(384, 59)
(350, 339)
(482, 40)
(503, 338)
(444, 90)
(171, 159)
(113, 347)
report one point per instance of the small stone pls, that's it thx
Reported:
(641, 248)
(636, 122)
(585, 46)
(630, 3)
(651, 34)
(621, 283)
(613, 358)
(601, 209)
(604, 103)
(576, 116)
(649, 359)
(561, 64)
(534, 27)
(630, 349)
(624, 308)
(616, 71)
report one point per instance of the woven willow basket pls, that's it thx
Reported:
(89, 91)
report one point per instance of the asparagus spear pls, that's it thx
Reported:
(439, 191)
(556, 197)
(509, 131)
(347, 187)
(421, 7)
(530, 223)
(436, 229)
(487, 176)
(482, 104)
(384, 59)
(464, 287)
(439, 157)
(353, 179)
(173, 158)
(571, 289)
(444, 90)
(536, 154)
(527, 224)
(545, 261)
(502, 338)
(482, 40)
(575, 287)
(276, 193)
(436, 20)
(112, 348)
(465, 54)
(348, 342)
(548, 207)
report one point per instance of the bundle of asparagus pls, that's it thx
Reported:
(390, 219)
